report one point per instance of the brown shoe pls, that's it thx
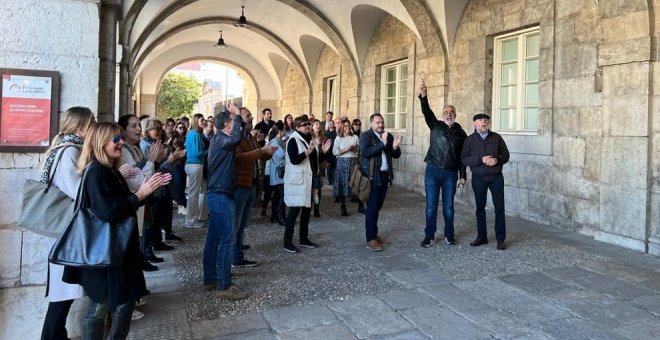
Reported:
(383, 241)
(374, 245)
(232, 293)
(478, 242)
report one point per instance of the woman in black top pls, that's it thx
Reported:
(106, 194)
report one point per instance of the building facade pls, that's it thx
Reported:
(570, 84)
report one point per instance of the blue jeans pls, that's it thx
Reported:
(480, 186)
(179, 182)
(244, 199)
(437, 178)
(376, 200)
(219, 240)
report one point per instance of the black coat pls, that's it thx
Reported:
(108, 197)
(372, 146)
(446, 143)
(476, 148)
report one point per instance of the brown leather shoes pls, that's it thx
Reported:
(383, 241)
(478, 242)
(374, 245)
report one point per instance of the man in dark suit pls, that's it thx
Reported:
(378, 144)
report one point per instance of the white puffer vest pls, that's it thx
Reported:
(298, 178)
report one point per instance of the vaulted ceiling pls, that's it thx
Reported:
(282, 33)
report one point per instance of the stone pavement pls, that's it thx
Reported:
(549, 284)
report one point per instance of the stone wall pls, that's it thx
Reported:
(295, 94)
(23, 45)
(588, 168)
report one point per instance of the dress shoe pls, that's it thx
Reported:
(155, 259)
(501, 245)
(478, 242)
(162, 246)
(148, 267)
(374, 245)
(383, 241)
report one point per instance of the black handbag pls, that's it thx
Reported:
(45, 209)
(89, 242)
(280, 171)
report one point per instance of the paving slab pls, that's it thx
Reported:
(441, 323)
(230, 325)
(538, 284)
(456, 299)
(326, 332)
(290, 318)
(518, 304)
(406, 299)
(417, 278)
(259, 334)
(369, 316)
(607, 285)
(578, 329)
(162, 302)
(640, 330)
(406, 335)
(502, 326)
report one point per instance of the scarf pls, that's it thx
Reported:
(64, 142)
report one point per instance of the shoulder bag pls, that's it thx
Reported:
(89, 242)
(361, 185)
(45, 209)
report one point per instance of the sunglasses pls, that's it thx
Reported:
(117, 138)
(357, 124)
(181, 128)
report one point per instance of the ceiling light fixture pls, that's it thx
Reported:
(221, 42)
(242, 21)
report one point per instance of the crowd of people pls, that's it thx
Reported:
(214, 170)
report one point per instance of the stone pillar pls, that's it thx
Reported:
(107, 62)
(124, 83)
(147, 105)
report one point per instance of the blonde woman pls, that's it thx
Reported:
(106, 194)
(196, 151)
(74, 124)
(346, 149)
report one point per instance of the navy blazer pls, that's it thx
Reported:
(372, 146)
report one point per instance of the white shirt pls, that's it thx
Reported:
(383, 164)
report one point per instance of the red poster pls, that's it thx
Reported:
(26, 110)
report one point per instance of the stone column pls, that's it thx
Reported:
(107, 62)
(124, 83)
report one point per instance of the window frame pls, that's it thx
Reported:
(400, 123)
(330, 93)
(520, 83)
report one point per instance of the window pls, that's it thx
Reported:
(330, 94)
(516, 82)
(393, 90)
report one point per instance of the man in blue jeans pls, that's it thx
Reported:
(222, 183)
(485, 152)
(443, 164)
(382, 147)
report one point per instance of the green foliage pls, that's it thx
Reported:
(178, 95)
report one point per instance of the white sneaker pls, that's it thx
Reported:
(140, 302)
(137, 315)
(181, 210)
(194, 226)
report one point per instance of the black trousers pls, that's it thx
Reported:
(480, 186)
(54, 327)
(291, 222)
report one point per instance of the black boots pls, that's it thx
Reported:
(316, 211)
(343, 209)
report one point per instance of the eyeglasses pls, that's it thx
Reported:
(117, 138)
(449, 112)
(303, 124)
(181, 128)
(357, 124)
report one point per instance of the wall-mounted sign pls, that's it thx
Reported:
(29, 109)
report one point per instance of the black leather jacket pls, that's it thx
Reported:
(446, 142)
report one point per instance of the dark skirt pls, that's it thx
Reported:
(340, 187)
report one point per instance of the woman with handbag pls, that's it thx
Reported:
(346, 149)
(105, 193)
(302, 161)
(60, 165)
(276, 138)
